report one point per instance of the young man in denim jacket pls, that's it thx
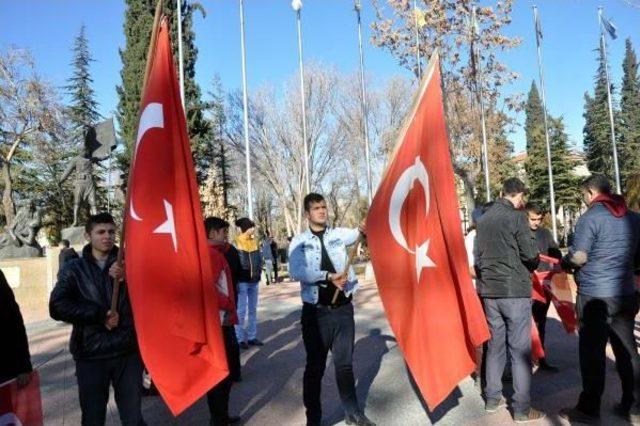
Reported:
(317, 258)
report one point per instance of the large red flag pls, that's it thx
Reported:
(21, 406)
(169, 274)
(418, 254)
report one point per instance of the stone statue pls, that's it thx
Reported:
(19, 238)
(99, 141)
(84, 187)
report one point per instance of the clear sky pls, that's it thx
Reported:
(48, 28)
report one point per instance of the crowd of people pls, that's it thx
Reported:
(503, 246)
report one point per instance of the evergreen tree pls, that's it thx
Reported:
(83, 111)
(536, 164)
(629, 147)
(597, 128)
(218, 123)
(137, 26)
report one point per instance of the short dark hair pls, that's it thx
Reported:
(534, 208)
(65, 243)
(312, 197)
(597, 182)
(215, 223)
(513, 186)
(96, 219)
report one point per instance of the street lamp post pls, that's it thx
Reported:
(245, 105)
(297, 7)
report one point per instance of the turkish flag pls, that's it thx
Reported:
(418, 253)
(169, 274)
(21, 406)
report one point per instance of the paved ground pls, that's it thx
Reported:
(270, 393)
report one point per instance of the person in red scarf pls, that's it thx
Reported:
(219, 249)
(605, 252)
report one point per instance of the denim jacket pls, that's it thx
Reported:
(305, 255)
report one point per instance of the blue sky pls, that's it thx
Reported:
(48, 28)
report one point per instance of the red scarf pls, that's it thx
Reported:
(613, 202)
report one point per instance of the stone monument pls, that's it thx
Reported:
(19, 237)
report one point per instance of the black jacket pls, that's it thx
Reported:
(66, 254)
(507, 252)
(250, 266)
(14, 355)
(82, 297)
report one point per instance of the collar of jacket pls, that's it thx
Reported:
(503, 201)
(246, 243)
(309, 233)
(87, 254)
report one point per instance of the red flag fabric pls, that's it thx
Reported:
(21, 406)
(418, 253)
(546, 286)
(537, 351)
(169, 273)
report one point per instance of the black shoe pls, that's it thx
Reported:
(493, 405)
(578, 416)
(244, 345)
(545, 366)
(255, 342)
(358, 420)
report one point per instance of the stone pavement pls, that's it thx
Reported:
(271, 390)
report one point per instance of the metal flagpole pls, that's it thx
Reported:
(479, 87)
(297, 6)
(180, 64)
(415, 19)
(365, 133)
(245, 106)
(603, 41)
(552, 195)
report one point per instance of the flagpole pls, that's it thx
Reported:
(127, 202)
(363, 105)
(180, 65)
(297, 7)
(415, 20)
(603, 41)
(536, 19)
(245, 106)
(480, 90)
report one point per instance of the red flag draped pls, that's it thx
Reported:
(545, 285)
(418, 254)
(21, 406)
(169, 274)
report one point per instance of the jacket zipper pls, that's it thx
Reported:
(250, 266)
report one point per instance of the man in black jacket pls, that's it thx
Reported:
(103, 342)
(547, 246)
(15, 361)
(507, 255)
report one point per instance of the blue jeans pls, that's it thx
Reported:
(247, 298)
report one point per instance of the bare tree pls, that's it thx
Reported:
(28, 110)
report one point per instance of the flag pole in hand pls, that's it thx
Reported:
(147, 71)
(352, 256)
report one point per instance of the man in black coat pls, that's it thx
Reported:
(547, 246)
(103, 342)
(15, 361)
(507, 255)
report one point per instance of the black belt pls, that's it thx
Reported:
(330, 307)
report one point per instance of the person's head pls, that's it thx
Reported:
(513, 189)
(65, 243)
(535, 214)
(217, 229)
(100, 231)
(315, 209)
(247, 226)
(595, 185)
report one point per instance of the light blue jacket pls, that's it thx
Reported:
(305, 256)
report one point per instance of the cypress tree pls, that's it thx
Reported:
(83, 111)
(137, 26)
(629, 146)
(597, 128)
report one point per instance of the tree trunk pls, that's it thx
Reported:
(7, 194)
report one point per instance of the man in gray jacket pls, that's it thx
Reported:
(507, 255)
(605, 252)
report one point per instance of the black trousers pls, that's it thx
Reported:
(539, 311)
(607, 319)
(94, 379)
(218, 396)
(510, 325)
(325, 329)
